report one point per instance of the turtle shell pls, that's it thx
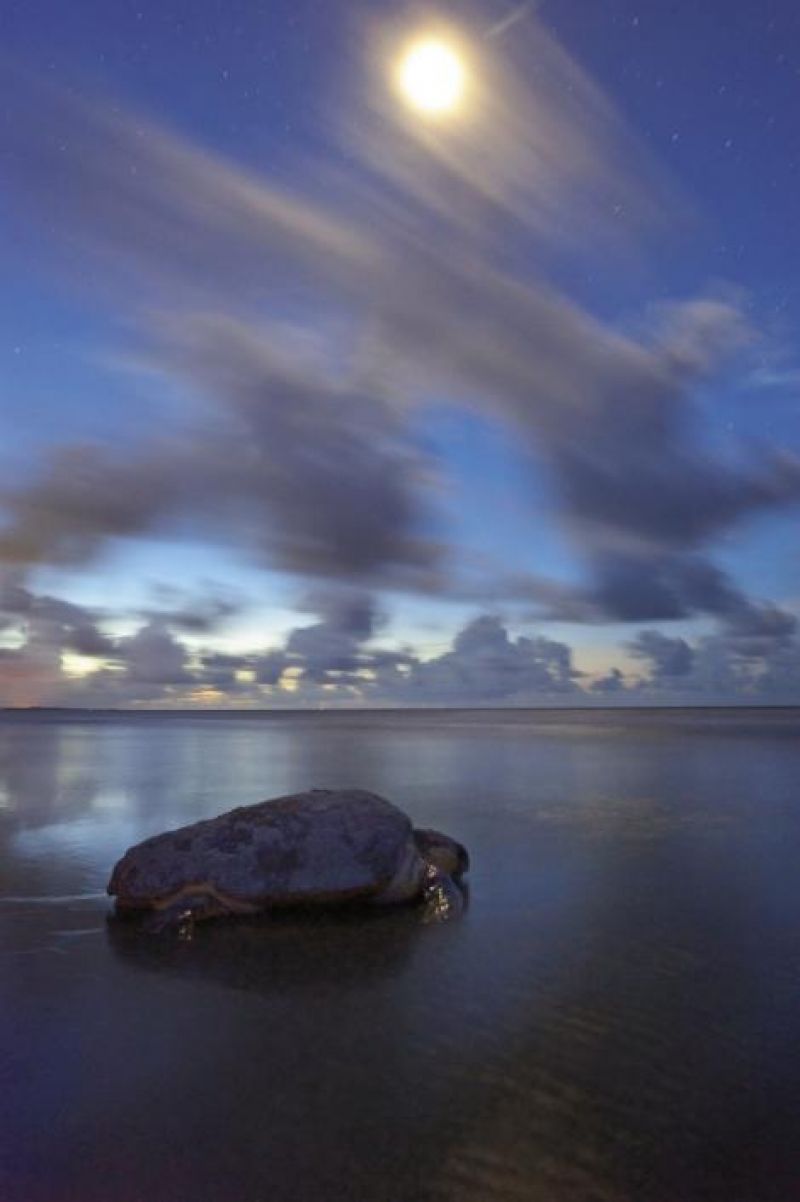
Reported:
(320, 846)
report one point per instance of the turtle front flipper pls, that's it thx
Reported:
(442, 898)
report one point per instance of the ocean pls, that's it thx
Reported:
(614, 1018)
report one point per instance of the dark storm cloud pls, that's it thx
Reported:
(302, 471)
(637, 588)
(333, 649)
(51, 620)
(333, 645)
(42, 628)
(153, 656)
(668, 657)
(270, 667)
(85, 496)
(651, 587)
(722, 670)
(655, 587)
(328, 469)
(191, 615)
(352, 612)
(610, 685)
(219, 671)
(756, 627)
(486, 665)
(612, 421)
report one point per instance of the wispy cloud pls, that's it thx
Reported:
(512, 18)
(319, 320)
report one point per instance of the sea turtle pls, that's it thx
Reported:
(322, 847)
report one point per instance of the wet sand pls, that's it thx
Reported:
(615, 1017)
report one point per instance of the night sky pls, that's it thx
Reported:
(309, 397)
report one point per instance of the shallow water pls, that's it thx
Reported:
(616, 1016)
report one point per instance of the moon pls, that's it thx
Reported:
(431, 77)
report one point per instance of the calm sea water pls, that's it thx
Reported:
(616, 1016)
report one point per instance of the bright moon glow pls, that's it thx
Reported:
(431, 76)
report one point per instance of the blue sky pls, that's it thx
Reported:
(309, 398)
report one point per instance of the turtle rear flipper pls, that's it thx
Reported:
(181, 915)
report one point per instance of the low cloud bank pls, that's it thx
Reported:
(337, 660)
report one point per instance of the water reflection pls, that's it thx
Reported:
(279, 953)
(44, 772)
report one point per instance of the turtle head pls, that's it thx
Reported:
(444, 853)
